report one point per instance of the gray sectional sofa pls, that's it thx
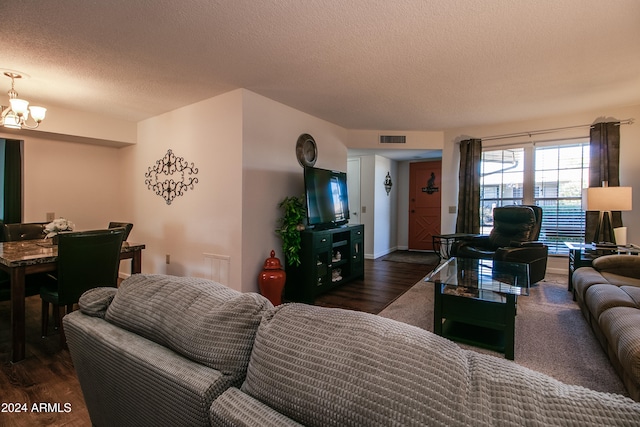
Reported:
(173, 351)
(608, 294)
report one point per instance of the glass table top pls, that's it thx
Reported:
(480, 278)
(591, 247)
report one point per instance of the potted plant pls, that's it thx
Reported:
(291, 224)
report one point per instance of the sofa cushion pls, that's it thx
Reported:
(620, 280)
(332, 367)
(238, 409)
(583, 278)
(620, 327)
(202, 320)
(633, 292)
(602, 297)
(95, 302)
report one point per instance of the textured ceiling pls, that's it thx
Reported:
(362, 64)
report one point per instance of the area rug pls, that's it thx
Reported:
(551, 337)
(412, 257)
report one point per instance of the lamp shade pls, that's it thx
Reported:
(19, 106)
(606, 199)
(38, 113)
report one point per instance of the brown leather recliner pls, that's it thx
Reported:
(514, 237)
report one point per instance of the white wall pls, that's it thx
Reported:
(271, 172)
(207, 218)
(62, 124)
(77, 181)
(367, 202)
(415, 140)
(386, 208)
(243, 146)
(381, 215)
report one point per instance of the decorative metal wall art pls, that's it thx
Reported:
(431, 187)
(387, 183)
(170, 188)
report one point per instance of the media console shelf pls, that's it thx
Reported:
(328, 258)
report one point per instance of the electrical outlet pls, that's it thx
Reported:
(168, 259)
(51, 216)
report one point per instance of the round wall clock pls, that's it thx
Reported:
(306, 150)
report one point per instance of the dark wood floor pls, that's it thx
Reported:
(47, 375)
(384, 281)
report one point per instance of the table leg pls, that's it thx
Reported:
(510, 327)
(436, 242)
(17, 314)
(136, 262)
(437, 308)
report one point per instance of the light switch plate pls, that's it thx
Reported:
(51, 216)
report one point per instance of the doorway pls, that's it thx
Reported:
(425, 180)
(353, 189)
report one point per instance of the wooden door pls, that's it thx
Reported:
(424, 203)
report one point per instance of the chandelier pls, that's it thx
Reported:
(15, 116)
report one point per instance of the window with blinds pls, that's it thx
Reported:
(550, 176)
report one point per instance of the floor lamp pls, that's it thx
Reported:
(604, 200)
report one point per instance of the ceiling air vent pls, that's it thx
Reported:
(393, 139)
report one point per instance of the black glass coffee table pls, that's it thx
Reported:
(475, 301)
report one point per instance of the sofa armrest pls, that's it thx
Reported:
(128, 380)
(96, 301)
(524, 253)
(477, 246)
(238, 409)
(532, 244)
(622, 265)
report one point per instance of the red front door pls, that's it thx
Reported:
(424, 203)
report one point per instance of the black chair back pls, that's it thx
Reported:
(15, 232)
(24, 231)
(513, 224)
(127, 228)
(87, 260)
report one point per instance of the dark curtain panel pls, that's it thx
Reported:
(13, 181)
(468, 220)
(604, 165)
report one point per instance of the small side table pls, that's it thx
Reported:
(442, 243)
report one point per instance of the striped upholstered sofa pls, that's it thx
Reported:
(608, 294)
(167, 351)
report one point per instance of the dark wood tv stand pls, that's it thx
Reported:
(329, 258)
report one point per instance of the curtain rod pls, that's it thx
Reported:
(544, 131)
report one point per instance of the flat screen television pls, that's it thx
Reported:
(327, 198)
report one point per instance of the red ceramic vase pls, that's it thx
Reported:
(271, 279)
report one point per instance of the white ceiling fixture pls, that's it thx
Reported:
(15, 116)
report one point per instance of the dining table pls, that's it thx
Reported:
(24, 257)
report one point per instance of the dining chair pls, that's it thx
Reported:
(24, 231)
(86, 260)
(127, 228)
